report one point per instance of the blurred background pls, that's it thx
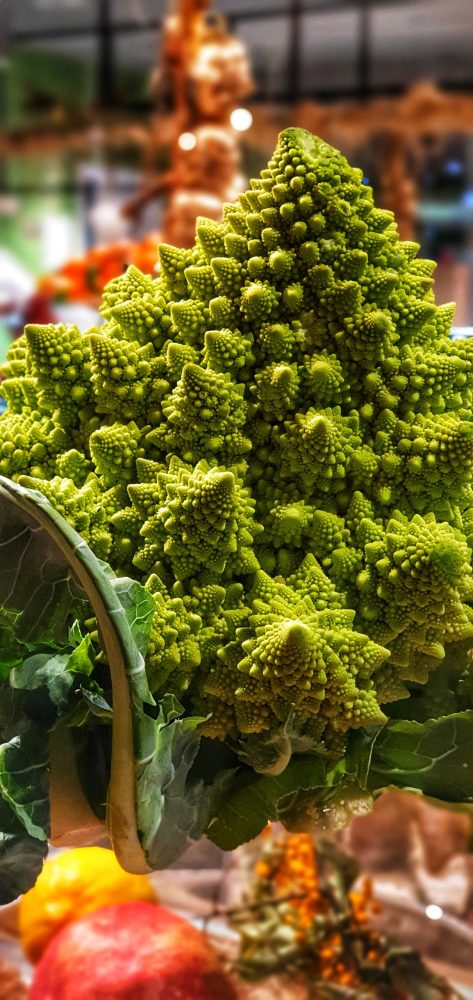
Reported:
(122, 120)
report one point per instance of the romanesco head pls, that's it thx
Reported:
(275, 436)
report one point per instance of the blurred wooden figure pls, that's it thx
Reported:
(203, 76)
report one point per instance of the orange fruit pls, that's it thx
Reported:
(72, 884)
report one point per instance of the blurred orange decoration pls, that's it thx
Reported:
(305, 925)
(290, 871)
(202, 76)
(83, 278)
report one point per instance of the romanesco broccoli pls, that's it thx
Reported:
(275, 436)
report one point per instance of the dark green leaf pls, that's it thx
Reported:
(21, 856)
(254, 799)
(12, 716)
(435, 757)
(24, 780)
(95, 699)
(449, 688)
(12, 650)
(55, 672)
(312, 790)
(38, 544)
(38, 592)
(168, 811)
(44, 670)
(92, 743)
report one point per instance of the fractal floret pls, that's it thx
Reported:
(281, 409)
(274, 437)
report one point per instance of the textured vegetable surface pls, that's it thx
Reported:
(274, 438)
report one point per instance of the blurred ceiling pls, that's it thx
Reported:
(343, 47)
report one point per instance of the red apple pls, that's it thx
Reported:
(130, 951)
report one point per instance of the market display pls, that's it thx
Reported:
(270, 445)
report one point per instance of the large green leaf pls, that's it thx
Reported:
(311, 790)
(52, 577)
(169, 810)
(21, 856)
(57, 672)
(24, 780)
(155, 803)
(449, 688)
(254, 799)
(24, 811)
(39, 593)
(435, 757)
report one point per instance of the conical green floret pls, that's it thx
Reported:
(275, 436)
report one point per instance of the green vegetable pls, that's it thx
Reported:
(56, 570)
(433, 757)
(24, 809)
(273, 439)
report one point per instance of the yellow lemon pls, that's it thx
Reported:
(71, 884)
